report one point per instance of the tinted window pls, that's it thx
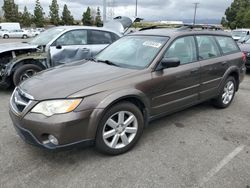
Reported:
(76, 37)
(227, 44)
(207, 47)
(184, 49)
(99, 37)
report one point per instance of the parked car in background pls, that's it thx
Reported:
(18, 33)
(245, 48)
(53, 47)
(242, 40)
(141, 77)
(237, 34)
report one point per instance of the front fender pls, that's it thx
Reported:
(10, 67)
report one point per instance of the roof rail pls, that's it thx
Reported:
(153, 27)
(200, 27)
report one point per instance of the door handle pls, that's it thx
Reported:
(224, 63)
(85, 49)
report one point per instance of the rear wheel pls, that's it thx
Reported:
(25, 36)
(6, 36)
(227, 93)
(119, 129)
(24, 72)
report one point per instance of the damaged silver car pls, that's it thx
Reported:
(56, 46)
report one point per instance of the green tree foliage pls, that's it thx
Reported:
(237, 15)
(98, 20)
(10, 10)
(67, 18)
(54, 13)
(38, 15)
(26, 18)
(87, 18)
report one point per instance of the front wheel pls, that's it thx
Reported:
(119, 129)
(6, 36)
(25, 37)
(227, 93)
(24, 72)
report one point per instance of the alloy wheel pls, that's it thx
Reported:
(120, 129)
(228, 93)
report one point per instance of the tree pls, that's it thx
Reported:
(236, 14)
(38, 14)
(87, 18)
(10, 10)
(67, 18)
(54, 13)
(98, 20)
(26, 18)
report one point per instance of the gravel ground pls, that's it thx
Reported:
(198, 147)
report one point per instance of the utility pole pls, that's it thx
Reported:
(195, 11)
(136, 5)
(104, 11)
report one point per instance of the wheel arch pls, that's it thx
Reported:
(234, 72)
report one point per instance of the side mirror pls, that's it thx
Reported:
(169, 63)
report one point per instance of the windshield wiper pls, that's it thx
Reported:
(107, 62)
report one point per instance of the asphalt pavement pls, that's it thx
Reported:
(199, 147)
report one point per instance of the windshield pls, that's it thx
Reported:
(45, 37)
(133, 51)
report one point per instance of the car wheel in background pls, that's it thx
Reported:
(6, 36)
(227, 93)
(25, 37)
(24, 72)
(119, 129)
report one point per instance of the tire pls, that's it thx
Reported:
(25, 37)
(227, 93)
(6, 36)
(123, 137)
(24, 72)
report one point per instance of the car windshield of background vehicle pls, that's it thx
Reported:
(136, 52)
(45, 37)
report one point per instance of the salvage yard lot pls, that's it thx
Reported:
(198, 147)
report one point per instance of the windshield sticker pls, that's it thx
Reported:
(152, 44)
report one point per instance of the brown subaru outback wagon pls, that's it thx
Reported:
(142, 76)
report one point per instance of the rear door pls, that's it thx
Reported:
(213, 65)
(175, 88)
(98, 40)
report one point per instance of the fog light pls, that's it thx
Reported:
(53, 140)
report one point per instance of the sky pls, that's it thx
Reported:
(147, 9)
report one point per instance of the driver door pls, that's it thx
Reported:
(69, 47)
(178, 87)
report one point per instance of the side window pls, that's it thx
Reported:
(76, 37)
(183, 49)
(99, 37)
(207, 47)
(227, 44)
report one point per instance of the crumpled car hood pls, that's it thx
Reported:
(16, 46)
(61, 82)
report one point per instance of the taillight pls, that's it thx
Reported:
(244, 57)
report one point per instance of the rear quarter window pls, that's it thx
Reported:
(227, 44)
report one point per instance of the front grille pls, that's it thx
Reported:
(20, 100)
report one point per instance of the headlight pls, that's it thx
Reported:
(49, 108)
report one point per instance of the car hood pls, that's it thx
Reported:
(16, 46)
(61, 82)
(245, 47)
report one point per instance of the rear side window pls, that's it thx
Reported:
(184, 49)
(227, 44)
(207, 47)
(99, 37)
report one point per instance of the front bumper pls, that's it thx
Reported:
(70, 129)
